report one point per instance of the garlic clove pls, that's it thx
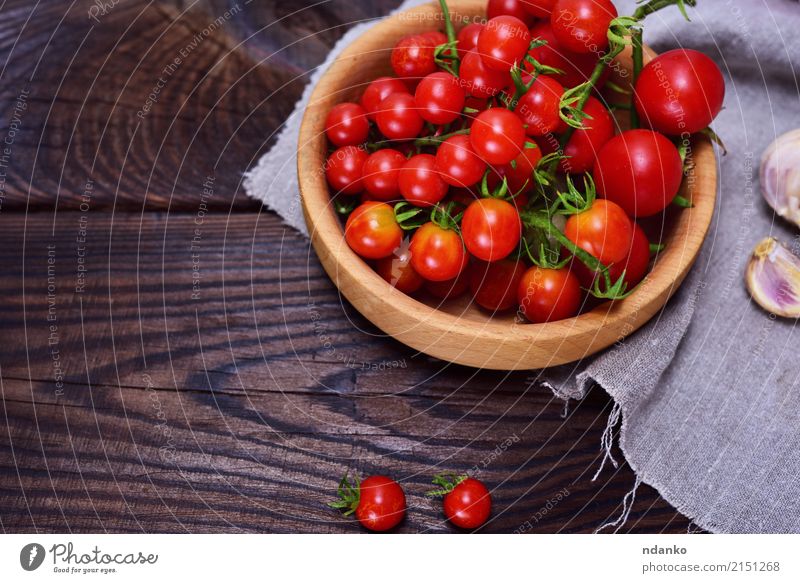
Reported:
(780, 176)
(773, 278)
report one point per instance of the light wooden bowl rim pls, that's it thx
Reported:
(471, 339)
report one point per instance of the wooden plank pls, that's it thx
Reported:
(227, 412)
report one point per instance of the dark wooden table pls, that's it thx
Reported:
(174, 361)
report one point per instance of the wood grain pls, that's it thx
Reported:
(233, 404)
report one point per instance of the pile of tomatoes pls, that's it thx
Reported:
(491, 163)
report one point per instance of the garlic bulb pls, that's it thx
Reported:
(780, 176)
(773, 278)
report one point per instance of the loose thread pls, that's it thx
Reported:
(607, 440)
(565, 412)
(627, 506)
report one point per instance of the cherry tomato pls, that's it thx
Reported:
(497, 135)
(468, 505)
(377, 91)
(576, 67)
(398, 117)
(380, 174)
(640, 170)
(343, 170)
(440, 98)
(604, 231)
(585, 144)
(634, 265)
(437, 254)
(491, 228)
(503, 41)
(547, 295)
(457, 162)
(515, 8)
(347, 124)
(397, 270)
(449, 289)
(381, 504)
(372, 231)
(539, 8)
(420, 183)
(494, 285)
(581, 26)
(680, 91)
(413, 57)
(467, 38)
(480, 80)
(519, 176)
(539, 108)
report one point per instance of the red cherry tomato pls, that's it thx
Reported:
(497, 135)
(539, 8)
(503, 41)
(397, 270)
(380, 174)
(634, 265)
(468, 505)
(494, 285)
(440, 98)
(437, 254)
(581, 26)
(413, 57)
(449, 289)
(576, 67)
(457, 162)
(515, 8)
(372, 231)
(398, 117)
(540, 107)
(420, 183)
(585, 144)
(679, 92)
(347, 124)
(381, 505)
(343, 170)
(467, 38)
(491, 228)
(604, 231)
(519, 176)
(480, 80)
(640, 170)
(547, 295)
(377, 91)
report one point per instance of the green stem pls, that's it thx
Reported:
(638, 63)
(451, 34)
(655, 5)
(436, 140)
(541, 222)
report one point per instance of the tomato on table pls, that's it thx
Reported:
(437, 254)
(491, 228)
(640, 170)
(372, 231)
(469, 504)
(494, 285)
(547, 295)
(679, 92)
(344, 170)
(604, 231)
(378, 502)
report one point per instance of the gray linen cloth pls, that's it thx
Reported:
(709, 391)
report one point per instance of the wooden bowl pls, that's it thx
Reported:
(458, 331)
